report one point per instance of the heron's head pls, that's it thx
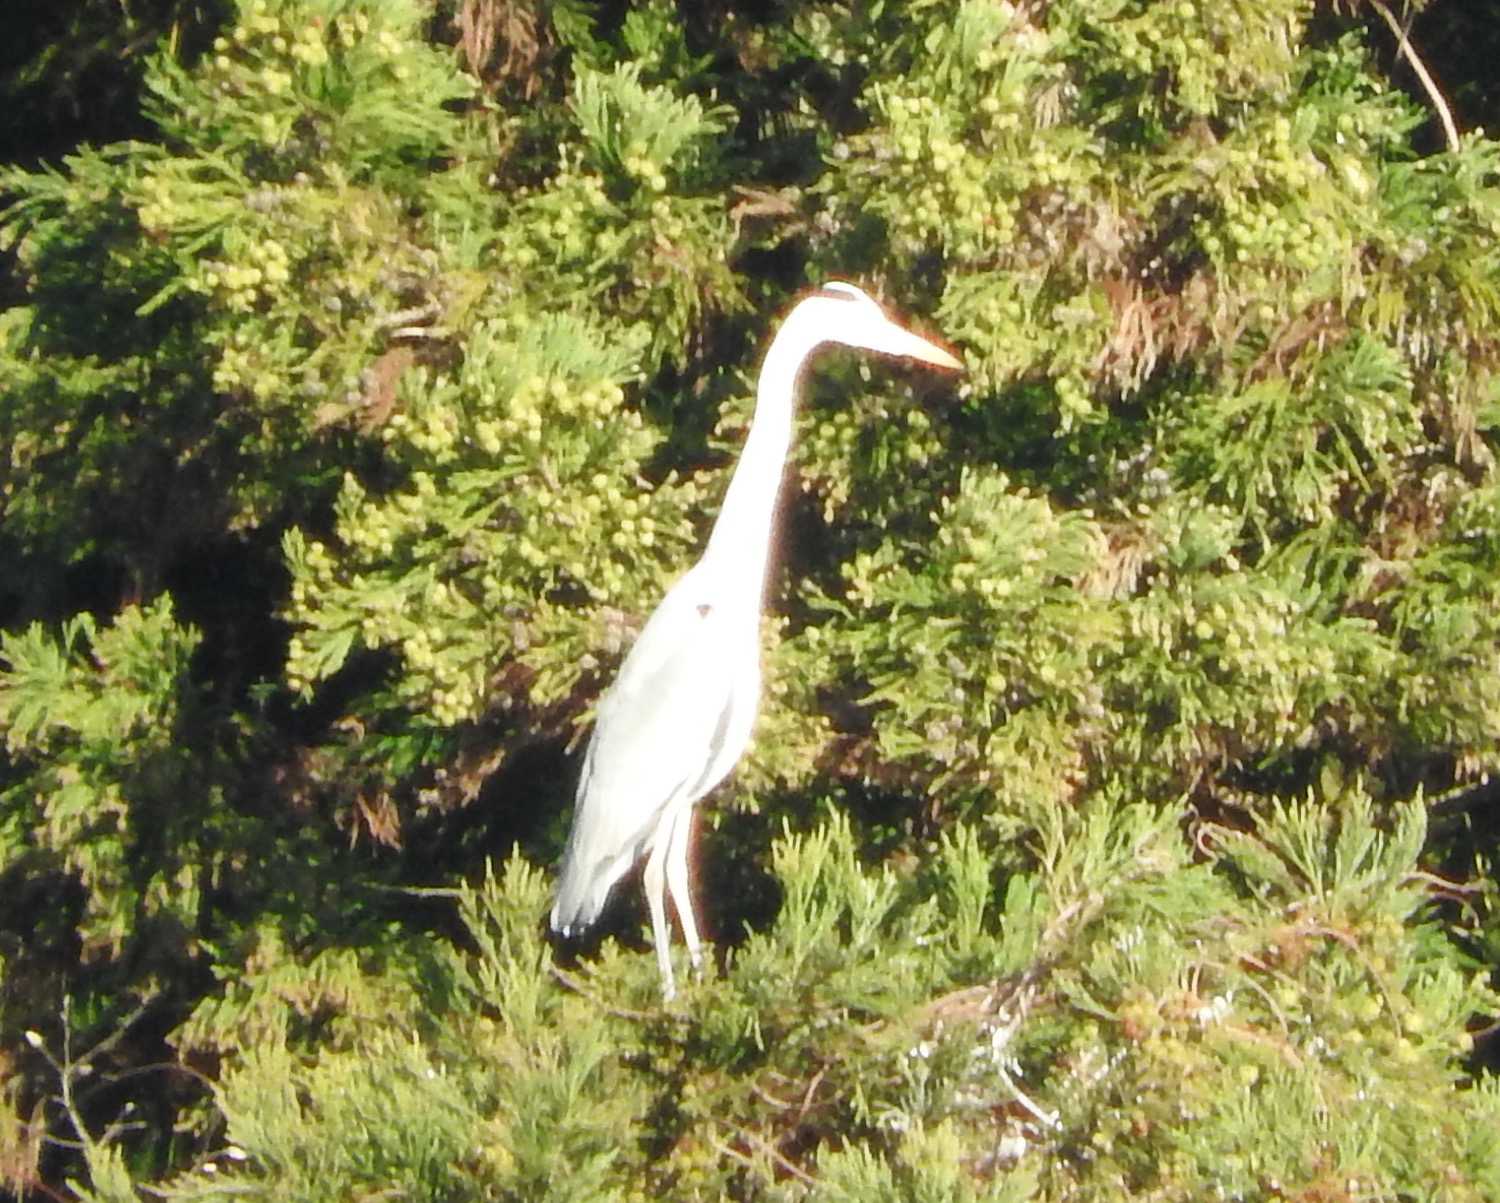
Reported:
(848, 315)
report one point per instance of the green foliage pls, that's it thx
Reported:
(1143, 1023)
(528, 437)
(355, 418)
(403, 1121)
(89, 722)
(298, 87)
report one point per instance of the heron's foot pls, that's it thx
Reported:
(697, 966)
(668, 982)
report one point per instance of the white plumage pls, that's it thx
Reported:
(680, 712)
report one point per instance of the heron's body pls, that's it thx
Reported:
(688, 685)
(680, 713)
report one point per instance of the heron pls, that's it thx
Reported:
(679, 713)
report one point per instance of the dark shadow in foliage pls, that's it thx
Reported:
(524, 803)
(229, 588)
(756, 86)
(72, 72)
(1464, 829)
(734, 891)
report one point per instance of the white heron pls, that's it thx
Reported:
(679, 713)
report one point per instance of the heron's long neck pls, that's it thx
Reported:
(741, 541)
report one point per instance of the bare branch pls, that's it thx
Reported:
(1408, 51)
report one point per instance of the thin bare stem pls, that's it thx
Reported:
(1408, 51)
(769, 1150)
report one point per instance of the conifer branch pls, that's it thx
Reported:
(573, 984)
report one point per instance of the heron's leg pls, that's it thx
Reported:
(656, 898)
(678, 841)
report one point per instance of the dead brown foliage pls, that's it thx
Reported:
(504, 43)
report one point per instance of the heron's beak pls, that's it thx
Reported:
(914, 346)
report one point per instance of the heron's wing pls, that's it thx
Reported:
(668, 730)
